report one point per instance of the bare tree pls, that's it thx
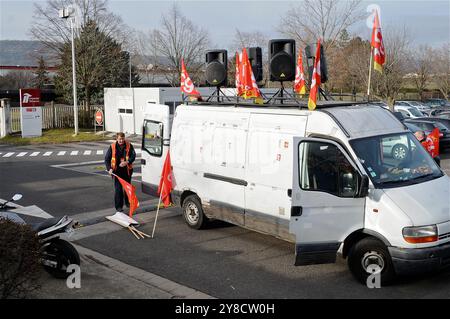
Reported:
(54, 31)
(245, 40)
(441, 69)
(325, 19)
(388, 84)
(179, 38)
(421, 62)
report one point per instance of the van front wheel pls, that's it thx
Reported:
(193, 212)
(370, 257)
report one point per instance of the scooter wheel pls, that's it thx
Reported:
(64, 254)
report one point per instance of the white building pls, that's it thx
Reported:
(124, 107)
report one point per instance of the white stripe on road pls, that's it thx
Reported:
(47, 153)
(61, 153)
(73, 153)
(100, 152)
(34, 154)
(138, 150)
(87, 153)
(8, 154)
(21, 154)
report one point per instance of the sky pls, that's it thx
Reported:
(427, 21)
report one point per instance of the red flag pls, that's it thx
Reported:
(130, 191)
(186, 83)
(379, 55)
(299, 83)
(315, 81)
(432, 143)
(165, 184)
(250, 88)
(238, 75)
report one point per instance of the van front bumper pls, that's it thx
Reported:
(410, 261)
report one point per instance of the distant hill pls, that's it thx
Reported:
(24, 53)
(27, 53)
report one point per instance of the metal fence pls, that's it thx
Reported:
(59, 116)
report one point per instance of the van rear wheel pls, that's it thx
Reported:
(193, 212)
(368, 257)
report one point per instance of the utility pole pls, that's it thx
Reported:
(67, 13)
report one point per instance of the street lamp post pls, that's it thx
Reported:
(66, 14)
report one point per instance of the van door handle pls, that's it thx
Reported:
(289, 192)
(143, 162)
(296, 211)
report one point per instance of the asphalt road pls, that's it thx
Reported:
(53, 184)
(223, 261)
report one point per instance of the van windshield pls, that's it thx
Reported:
(395, 160)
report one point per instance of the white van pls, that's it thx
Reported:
(320, 179)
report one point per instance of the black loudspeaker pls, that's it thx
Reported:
(255, 58)
(310, 52)
(282, 60)
(216, 67)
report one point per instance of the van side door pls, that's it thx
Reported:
(328, 199)
(155, 144)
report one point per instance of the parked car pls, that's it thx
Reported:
(443, 120)
(408, 111)
(418, 105)
(428, 126)
(437, 103)
(444, 115)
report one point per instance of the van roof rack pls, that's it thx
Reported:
(299, 104)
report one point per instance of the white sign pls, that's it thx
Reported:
(30, 112)
(31, 121)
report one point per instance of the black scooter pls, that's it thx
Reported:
(56, 254)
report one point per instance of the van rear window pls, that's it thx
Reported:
(153, 137)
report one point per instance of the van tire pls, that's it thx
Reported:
(370, 251)
(193, 212)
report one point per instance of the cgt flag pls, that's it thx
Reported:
(299, 83)
(315, 81)
(186, 83)
(130, 191)
(379, 55)
(165, 184)
(248, 81)
(432, 143)
(238, 81)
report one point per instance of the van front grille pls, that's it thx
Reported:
(444, 236)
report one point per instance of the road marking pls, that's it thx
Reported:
(47, 153)
(73, 153)
(87, 152)
(105, 174)
(77, 164)
(61, 153)
(32, 210)
(138, 150)
(100, 152)
(34, 154)
(21, 154)
(8, 154)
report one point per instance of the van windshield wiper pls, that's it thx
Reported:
(410, 181)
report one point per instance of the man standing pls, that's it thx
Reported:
(119, 160)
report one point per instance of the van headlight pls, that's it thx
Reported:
(420, 235)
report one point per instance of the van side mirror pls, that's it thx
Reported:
(160, 130)
(364, 186)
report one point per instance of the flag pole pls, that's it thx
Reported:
(157, 210)
(370, 74)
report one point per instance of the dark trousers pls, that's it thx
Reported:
(119, 194)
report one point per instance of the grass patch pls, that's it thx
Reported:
(54, 136)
